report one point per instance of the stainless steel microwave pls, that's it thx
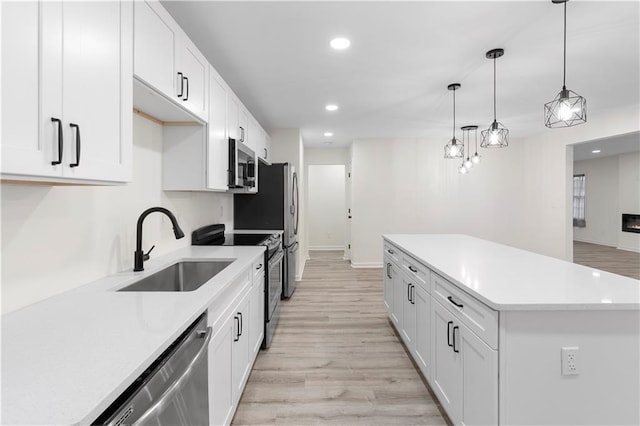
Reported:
(242, 167)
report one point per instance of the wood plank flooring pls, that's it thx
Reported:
(610, 259)
(335, 358)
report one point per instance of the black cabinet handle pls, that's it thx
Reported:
(181, 84)
(77, 163)
(59, 161)
(240, 314)
(449, 324)
(388, 270)
(454, 339)
(236, 320)
(413, 294)
(259, 266)
(186, 98)
(450, 299)
(412, 269)
(409, 292)
(390, 251)
(241, 134)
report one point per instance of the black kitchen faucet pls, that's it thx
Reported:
(140, 256)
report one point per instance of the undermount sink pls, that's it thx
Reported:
(182, 276)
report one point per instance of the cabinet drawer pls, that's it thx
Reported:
(416, 272)
(480, 319)
(392, 251)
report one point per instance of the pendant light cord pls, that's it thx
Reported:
(494, 88)
(454, 114)
(564, 70)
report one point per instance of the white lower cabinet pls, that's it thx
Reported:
(460, 367)
(235, 345)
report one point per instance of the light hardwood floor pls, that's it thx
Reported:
(610, 259)
(335, 358)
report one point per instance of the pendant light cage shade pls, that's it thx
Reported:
(454, 149)
(496, 136)
(565, 110)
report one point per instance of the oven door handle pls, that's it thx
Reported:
(276, 258)
(177, 384)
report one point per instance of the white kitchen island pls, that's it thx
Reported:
(506, 336)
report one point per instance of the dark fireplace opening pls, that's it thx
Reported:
(631, 223)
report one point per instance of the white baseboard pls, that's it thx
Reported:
(326, 248)
(365, 265)
(600, 243)
(634, 249)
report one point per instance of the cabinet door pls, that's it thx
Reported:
(97, 89)
(243, 124)
(256, 331)
(446, 370)
(408, 313)
(422, 354)
(23, 151)
(253, 136)
(218, 145)
(195, 73)
(156, 36)
(233, 117)
(398, 296)
(240, 364)
(221, 389)
(480, 380)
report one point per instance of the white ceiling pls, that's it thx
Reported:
(616, 145)
(392, 82)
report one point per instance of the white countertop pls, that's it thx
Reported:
(507, 278)
(65, 359)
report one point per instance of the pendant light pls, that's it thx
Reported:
(496, 136)
(454, 148)
(475, 159)
(469, 162)
(567, 108)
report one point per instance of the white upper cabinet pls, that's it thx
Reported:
(74, 63)
(167, 61)
(218, 143)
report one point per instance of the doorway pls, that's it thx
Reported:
(326, 207)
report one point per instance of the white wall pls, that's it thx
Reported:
(406, 186)
(287, 147)
(629, 198)
(601, 201)
(326, 207)
(56, 238)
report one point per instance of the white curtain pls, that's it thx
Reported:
(579, 193)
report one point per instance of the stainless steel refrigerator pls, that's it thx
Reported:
(274, 207)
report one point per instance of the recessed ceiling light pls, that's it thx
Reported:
(331, 107)
(595, 151)
(328, 134)
(340, 43)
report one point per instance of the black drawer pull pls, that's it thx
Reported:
(236, 320)
(60, 143)
(388, 270)
(77, 163)
(449, 324)
(459, 305)
(412, 269)
(413, 294)
(454, 339)
(181, 85)
(390, 251)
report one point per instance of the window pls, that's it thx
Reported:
(579, 193)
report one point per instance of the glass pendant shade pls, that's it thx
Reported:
(454, 148)
(496, 136)
(475, 159)
(567, 108)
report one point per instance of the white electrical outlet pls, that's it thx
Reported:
(570, 361)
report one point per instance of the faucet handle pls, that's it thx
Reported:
(146, 255)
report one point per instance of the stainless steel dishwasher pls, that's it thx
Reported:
(173, 390)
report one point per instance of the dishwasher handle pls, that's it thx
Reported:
(168, 394)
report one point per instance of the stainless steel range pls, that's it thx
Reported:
(214, 235)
